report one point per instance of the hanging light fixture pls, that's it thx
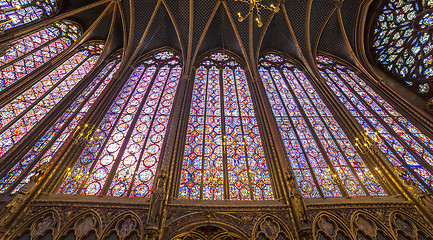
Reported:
(257, 5)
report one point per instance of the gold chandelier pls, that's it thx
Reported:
(257, 5)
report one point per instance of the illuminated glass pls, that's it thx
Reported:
(21, 114)
(403, 43)
(318, 150)
(123, 157)
(401, 142)
(44, 150)
(28, 53)
(223, 157)
(19, 12)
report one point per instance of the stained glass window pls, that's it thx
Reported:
(403, 42)
(28, 53)
(224, 156)
(401, 142)
(320, 154)
(51, 141)
(123, 157)
(24, 112)
(19, 12)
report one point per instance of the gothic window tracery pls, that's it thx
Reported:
(28, 53)
(404, 145)
(223, 156)
(320, 153)
(123, 156)
(403, 42)
(18, 12)
(25, 111)
(329, 227)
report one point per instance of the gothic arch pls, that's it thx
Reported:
(82, 225)
(402, 223)
(230, 53)
(224, 156)
(53, 90)
(321, 154)
(328, 226)
(369, 224)
(398, 129)
(207, 232)
(143, 108)
(152, 53)
(40, 225)
(188, 223)
(271, 227)
(124, 225)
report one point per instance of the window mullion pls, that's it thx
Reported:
(394, 118)
(390, 148)
(30, 53)
(31, 106)
(106, 140)
(204, 131)
(243, 135)
(349, 164)
(59, 132)
(223, 132)
(149, 130)
(389, 129)
(304, 152)
(128, 134)
(313, 132)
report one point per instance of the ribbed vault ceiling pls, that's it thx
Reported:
(300, 29)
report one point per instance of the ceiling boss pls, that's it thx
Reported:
(257, 5)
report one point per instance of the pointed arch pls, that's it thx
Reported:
(81, 226)
(123, 157)
(42, 224)
(404, 226)
(368, 224)
(323, 159)
(29, 108)
(404, 145)
(191, 222)
(223, 157)
(329, 226)
(124, 226)
(207, 232)
(267, 222)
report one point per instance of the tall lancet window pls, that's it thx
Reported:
(43, 150)
(324, 161)
(223, 157)
(21, 114)
(18, 12)
(401, 142)
(123, 157)
(29, 52)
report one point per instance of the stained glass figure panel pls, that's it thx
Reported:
(44, 150)
(403, 144)
(223, 156)
(30, 52)
(123, 157)
(18, 12)
(320, 153)
(27, 109)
